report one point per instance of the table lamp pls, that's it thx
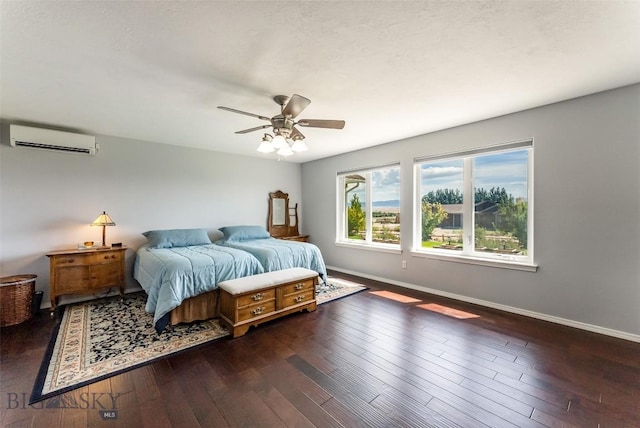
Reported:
(103, 220)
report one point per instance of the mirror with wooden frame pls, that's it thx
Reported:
(278, 225)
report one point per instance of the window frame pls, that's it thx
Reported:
(469, 253)
(342, 203)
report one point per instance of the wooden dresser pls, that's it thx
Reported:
(253, 300)
(85, 271)
(299, 238)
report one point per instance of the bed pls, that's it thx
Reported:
(180, 270)
(273, 254)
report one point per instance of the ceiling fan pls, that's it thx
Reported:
(287, 139)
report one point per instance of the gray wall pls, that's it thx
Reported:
(48, 199)
(586, 211)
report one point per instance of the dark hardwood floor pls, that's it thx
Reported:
(360, 361)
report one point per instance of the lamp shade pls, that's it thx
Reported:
(103, 220)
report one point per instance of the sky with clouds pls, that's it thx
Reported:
(385, 186)
(506, 169)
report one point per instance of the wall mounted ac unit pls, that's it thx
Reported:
(49, 139)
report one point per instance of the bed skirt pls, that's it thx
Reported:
(201, 307)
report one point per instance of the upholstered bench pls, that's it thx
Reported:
(253, 300)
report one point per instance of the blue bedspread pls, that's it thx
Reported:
(171, 275)
(277, 254)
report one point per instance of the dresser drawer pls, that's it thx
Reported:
(299, 238)
(296, 287)
(86, 259)
(297, 298)
(71, 260)
(107, 257)
(256, 310)
(257, 297)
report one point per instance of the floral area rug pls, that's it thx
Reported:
(98, 339)
(336, 288)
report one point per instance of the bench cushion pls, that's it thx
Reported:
(264, 280)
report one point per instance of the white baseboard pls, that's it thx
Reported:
(519, 311)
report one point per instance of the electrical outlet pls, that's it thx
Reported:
(404, 264)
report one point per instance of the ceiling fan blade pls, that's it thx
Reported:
(317, 123)
(244, 112)
(296, 104)
(245, 131)
(296, 134)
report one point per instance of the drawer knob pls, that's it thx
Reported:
(257, 297)
(299, 298)
(258, 311)
(299, 286)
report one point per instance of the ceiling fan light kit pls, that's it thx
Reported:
(279, 141)
(266, 146)
(286, 138)
(299, 146)
(285, 151)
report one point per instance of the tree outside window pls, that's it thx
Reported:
(370, 206)
(494, 220)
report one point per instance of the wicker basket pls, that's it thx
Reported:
(16, 294)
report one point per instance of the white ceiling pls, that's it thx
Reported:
(156, 71)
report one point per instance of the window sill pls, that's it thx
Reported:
(394, 249)
(457, 258)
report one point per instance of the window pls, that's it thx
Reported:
(476, 204)
(369, 207)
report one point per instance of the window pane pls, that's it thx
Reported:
(385, 211)
(355, 206)
(370, 206)
(441, 190)
(500, 213)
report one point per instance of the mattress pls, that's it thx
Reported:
(171, 275)
(277, 254)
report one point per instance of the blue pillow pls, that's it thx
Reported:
(177, 238)
(244, 233)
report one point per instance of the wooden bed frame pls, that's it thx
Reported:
(201, 307)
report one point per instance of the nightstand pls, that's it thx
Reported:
(85, 271)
